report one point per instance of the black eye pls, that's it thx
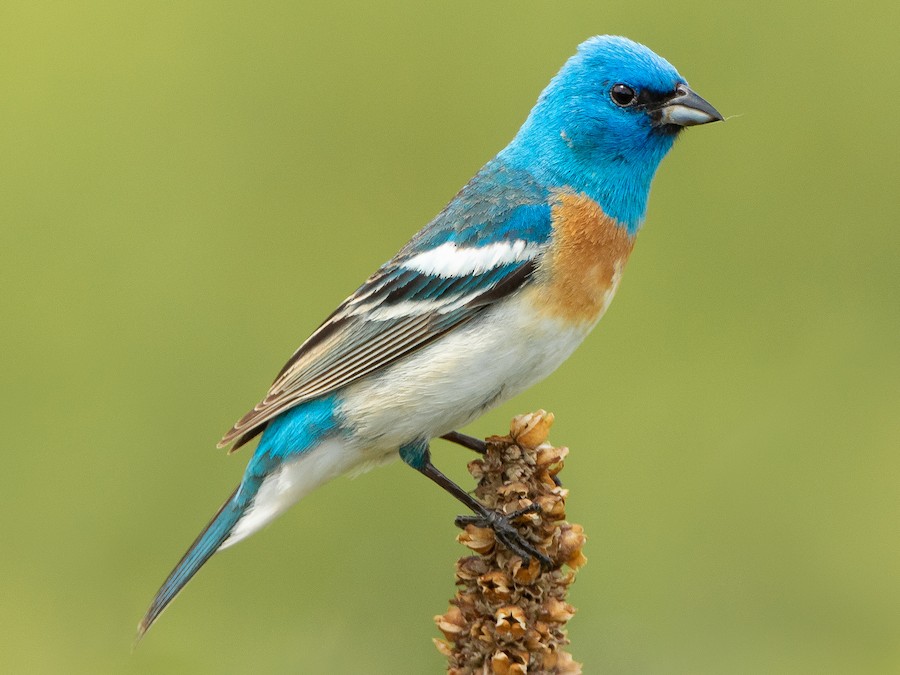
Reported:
(623, 95)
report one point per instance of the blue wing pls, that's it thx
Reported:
(482, 247)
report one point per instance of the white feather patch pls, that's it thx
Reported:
(449, 260)
(379, 312)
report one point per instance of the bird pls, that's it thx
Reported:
(486, 300)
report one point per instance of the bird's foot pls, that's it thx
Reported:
(506, 533)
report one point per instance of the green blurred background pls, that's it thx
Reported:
(189, 188)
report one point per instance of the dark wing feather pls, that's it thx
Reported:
(348, 347)
(400, 310)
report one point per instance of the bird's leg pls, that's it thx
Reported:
(419, 457)
(470, 442)
(477, 445)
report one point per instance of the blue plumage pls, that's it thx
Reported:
(295, 432)
(500, 203)
(576, 135)
(207, 543)
(487, 299)
(290, 434)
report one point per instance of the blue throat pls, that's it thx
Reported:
(576, 137)
(620, 185)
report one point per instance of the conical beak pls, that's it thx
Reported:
(685, 109)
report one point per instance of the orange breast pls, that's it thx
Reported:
(578, 276)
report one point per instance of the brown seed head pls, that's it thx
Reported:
(509, 617)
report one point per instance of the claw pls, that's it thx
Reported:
(506, 533)
(501, 523)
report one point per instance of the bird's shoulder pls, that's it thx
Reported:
(499, 204)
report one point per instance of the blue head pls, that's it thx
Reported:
(605, 122)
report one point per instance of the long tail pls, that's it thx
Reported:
(273, 481)
(205, 545)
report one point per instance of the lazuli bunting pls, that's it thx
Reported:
(486, 300)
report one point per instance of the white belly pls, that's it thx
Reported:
(440, 388)
(456, 379)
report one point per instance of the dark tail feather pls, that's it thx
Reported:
(209, 541)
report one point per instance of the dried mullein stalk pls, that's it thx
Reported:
(509, 617)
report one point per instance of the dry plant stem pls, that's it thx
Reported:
(509, 618)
